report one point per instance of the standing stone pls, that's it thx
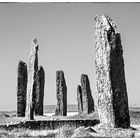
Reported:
(32, 81)
(88, 103)
(79, 99)
(21, 88)
(110, 76)
(40, 91)
(61, 93)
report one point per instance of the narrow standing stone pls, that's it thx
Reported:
(110, 76)
(32, 81)
(40, 91)
(79, 99)
(21, 88)
(88, 103)
(61, 93)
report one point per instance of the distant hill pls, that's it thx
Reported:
(74, 108)
(51, 108)
(70, 108)
(47, 109)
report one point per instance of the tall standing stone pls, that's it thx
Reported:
(21, 88)
(61, 93)
(88, 103)
(32, 81)
(110, 76)
(79, 99)
(40, 91)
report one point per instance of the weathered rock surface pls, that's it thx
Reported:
(32, 81)
(40, 91)
(79, 99)
(88, 102)
(61, 93)
(21, 88)
(84, 96)
(110, 76)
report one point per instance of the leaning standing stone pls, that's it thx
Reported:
(110, 76)
(21, 88)
(61, 93)
(40, 91)
(32, 81)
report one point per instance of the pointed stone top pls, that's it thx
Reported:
(84, 79)
(108, 17)
(84, 75)
(79, 87)
(34, 46)
(20, 62)
(105, 22)
(35, 41)
(41, 71)
(103, 18)
(40, 68)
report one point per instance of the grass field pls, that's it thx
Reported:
(68, 131)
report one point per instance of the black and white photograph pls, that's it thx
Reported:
(69, 69)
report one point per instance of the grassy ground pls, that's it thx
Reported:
(69, 131)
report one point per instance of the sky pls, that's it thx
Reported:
(65, 34)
